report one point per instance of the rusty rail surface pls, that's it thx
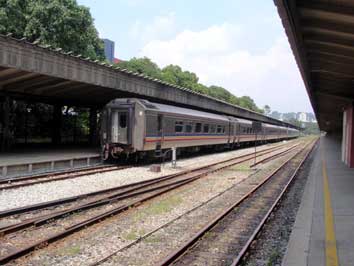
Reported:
(11, 183)
(158, 190)
(191, 242)
(53, 203)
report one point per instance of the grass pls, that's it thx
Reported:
(152, 239)
(210, 234)
(241, 167)
(159, 207)
(134, 234)
(164, 206)
(70, 251)
(274, 256)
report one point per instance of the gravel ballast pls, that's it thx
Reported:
(97, 241)
(70, 187)
(270, 247)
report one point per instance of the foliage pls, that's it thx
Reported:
(266, 109)
(294, 122)
(59, 23)
(142, 66)
(275, 114)
(176, 75)
(311, 128)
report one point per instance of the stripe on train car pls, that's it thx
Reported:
(154, 139)
(198, 137)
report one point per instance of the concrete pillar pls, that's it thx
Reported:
(348, 136)
(93, 139)
(57, 122)
(344, 137)
(6, 133)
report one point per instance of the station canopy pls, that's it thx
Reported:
(321, 34)
(45, 74)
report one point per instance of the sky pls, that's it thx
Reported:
(239, 45)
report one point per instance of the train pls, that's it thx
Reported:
(132, 126)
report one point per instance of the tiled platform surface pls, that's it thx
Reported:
(32, 161)
(307, 245)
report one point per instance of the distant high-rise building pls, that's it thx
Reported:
(302, 117)
(108, 49)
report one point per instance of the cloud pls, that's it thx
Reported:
(214, 54)
(161, 27)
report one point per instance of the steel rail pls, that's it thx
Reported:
(256, 232)
(40, 179)
(22, 251)
(10, 183)
(82, 225)
(180, 251)
(53, 203)
(39, 220)
(279, 154)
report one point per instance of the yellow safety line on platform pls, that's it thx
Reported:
(331, 245)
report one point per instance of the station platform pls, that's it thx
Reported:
(42, 160)
(323, 232)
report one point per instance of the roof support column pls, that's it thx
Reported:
(56, 126)
(93, 127)
(5, 133)
(348, 136)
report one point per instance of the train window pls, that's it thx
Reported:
(189, 128)
(122, 120)
(223, 129)
(206, 128)
(198, 127)
(178, 126)
(212, 128)
(219, 129)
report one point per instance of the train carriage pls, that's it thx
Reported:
(140, 126)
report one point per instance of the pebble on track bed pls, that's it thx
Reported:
(271, 244)
(70, 187)
(102, 239)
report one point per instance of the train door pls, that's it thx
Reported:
(159, 132)
(238, 132)
(120, 126)
(234, 132)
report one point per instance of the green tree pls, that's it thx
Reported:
(59, 23)
(142, 65)
(222, 94)
(266, 109)
(176, 75)
(247, 102)
(294, 122)
(311, 128)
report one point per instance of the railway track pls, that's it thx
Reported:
(99, 208)
(227, 238)
(106, 192)
(17, 182)
(12, 183)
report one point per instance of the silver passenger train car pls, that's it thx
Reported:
(139, 126)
